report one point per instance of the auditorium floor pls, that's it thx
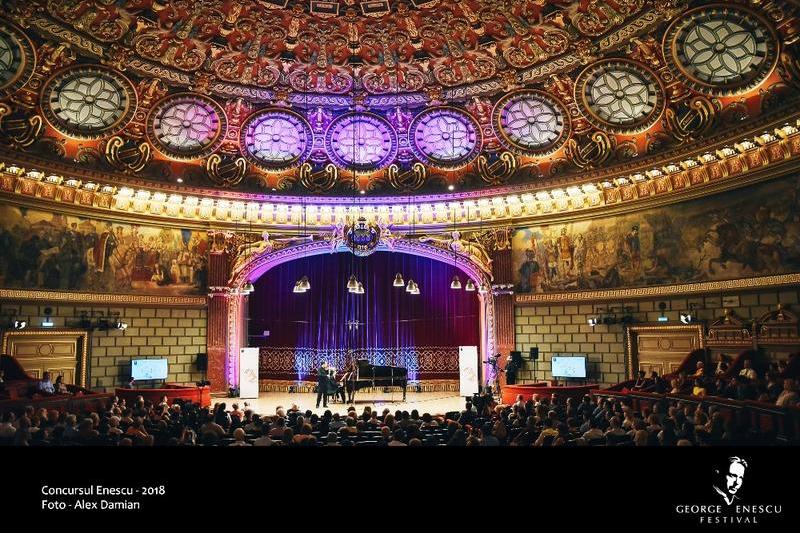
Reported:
(437, 403)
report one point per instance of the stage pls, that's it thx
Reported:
(435, 403)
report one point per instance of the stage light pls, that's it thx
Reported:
(593, 321)
(352, 283)
(20, 324)
(305, 284)
(687, 318)
(398, 281)
(470, 286)
(121, 325)
(456, 283)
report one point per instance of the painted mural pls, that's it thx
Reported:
(45, 250)
(738, 234)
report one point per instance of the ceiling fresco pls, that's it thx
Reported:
(385, 97)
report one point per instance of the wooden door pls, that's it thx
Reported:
(660, 348)
(58, 351)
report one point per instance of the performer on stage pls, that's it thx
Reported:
(322, 385)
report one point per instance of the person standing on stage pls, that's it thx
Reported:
(322, 385)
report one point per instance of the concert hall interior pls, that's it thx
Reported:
(399, 223)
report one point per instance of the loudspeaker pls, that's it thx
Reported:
(202, 361)
(516, 357)
(534, 355)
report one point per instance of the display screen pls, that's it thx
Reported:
(142, 369)
(569, 367)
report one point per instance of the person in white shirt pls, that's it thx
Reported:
(45, 385)
(264, 441)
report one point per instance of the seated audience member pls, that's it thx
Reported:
(45, 385)
(594, 431)
(397, 438)
(641, 381)
(748, 372)
(59, 386)
(774, 388)
(700, 370)
(239, 438)
(332, 439)
(658, 384)
(721, 367)
(789, 396)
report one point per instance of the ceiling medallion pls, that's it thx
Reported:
(17, 58)
(531, 122)
(186, 126)
(620, 96)
(445, 137)
(361, 142)
(276, 139)
(721, 50)
(86, 102)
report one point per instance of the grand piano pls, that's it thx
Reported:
(371, 376)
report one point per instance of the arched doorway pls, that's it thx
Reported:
(228, 304)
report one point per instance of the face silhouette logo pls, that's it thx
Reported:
(729, 479)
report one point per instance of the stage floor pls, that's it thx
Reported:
(435, 403)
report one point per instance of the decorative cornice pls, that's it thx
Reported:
(734, 163)
(661, 291)
(102, 299)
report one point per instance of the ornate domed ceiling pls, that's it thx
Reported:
(388, 96)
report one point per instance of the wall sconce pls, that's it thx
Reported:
(662, 306)
(48, 319)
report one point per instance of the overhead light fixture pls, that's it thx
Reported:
(298, 289)
(456, 283)
(48, 320)
(352, 283)
(248, 288)
(483, 288)
(398, 281)
(305, 284)
(470, 286)
(359, 289)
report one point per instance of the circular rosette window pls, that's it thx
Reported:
(445, 137)
(86, 102)
(186, 126)
(531, 122)
(361, 142)
(721, 50)
(16, 58)
(276, 139)
(619, 95)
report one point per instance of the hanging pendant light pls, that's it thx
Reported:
(305, 284)
(483, 288)
(398, 281)
(456, 283)
(360, 288)
(352, 283)
(248, 288)
(298, 289)
(470, 285)
(413, 287)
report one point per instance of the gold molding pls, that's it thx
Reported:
(659, 291)
(102, 299)
(47, 332)
(699, 328)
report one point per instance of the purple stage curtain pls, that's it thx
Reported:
(386, 325)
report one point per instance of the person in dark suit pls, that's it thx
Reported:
(322, 385)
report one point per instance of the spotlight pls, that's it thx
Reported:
(179, 180)
(362, 191)
(470, 286)
(451, 187)
(20, 324)
(119, 324)
(456, 283)
(687, 318)
(593, 321)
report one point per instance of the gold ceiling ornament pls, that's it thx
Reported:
(226, 171)
(321, 181)
(410, 180)
(126, 155)
(592, 153)
(19, 132)
(17, 58)
(694, 122)
(498, 172)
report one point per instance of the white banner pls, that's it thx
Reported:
(248, 373)
(468, 370)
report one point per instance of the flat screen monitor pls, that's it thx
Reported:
(569, 367)
(142, 369)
